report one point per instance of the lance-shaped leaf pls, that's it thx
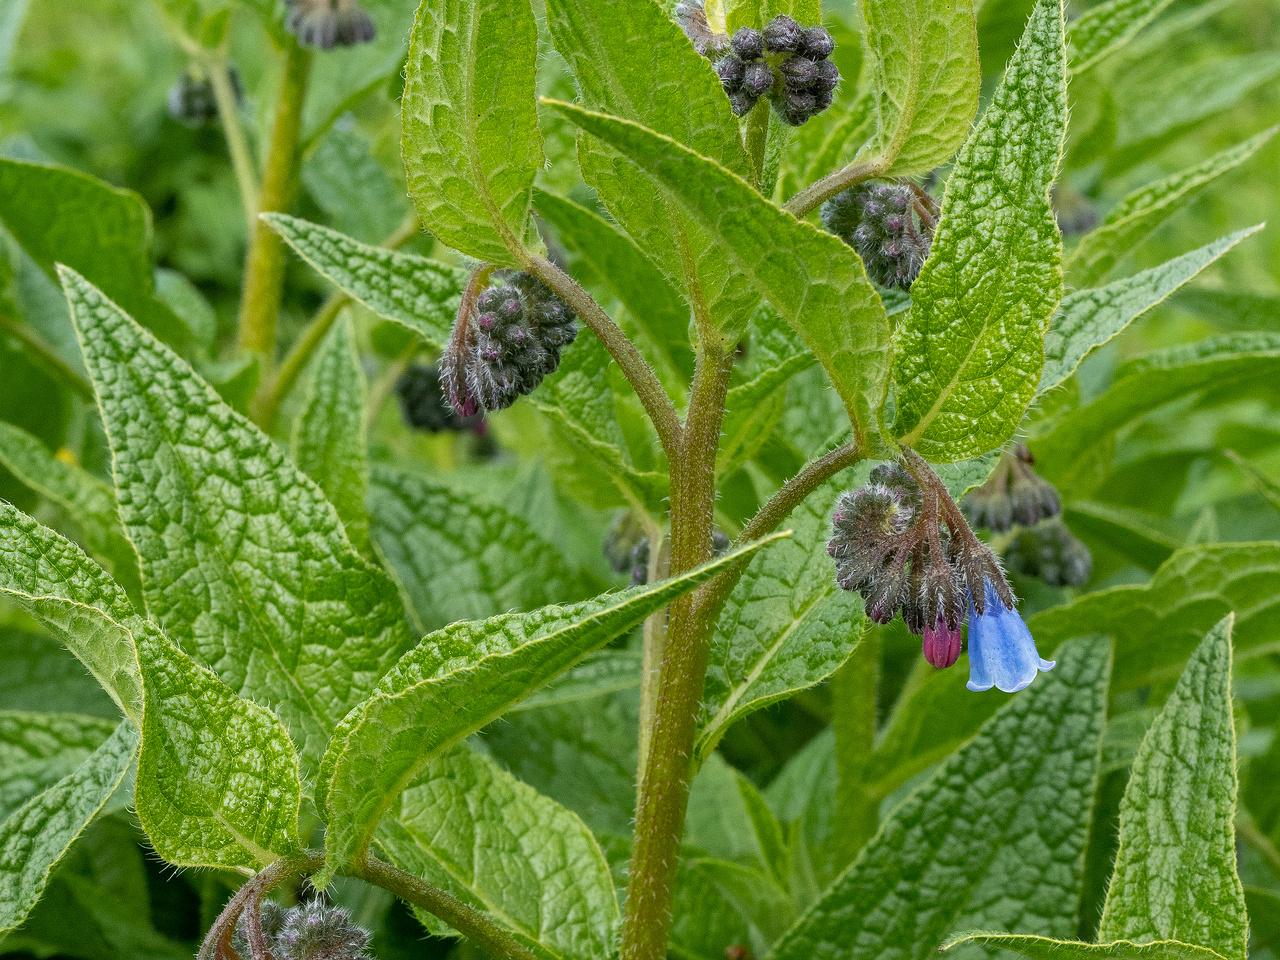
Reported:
(474, 830)
(456, 681)
(419, 294)
(471, 141)
(925, 80)
(244, 563)
(997, 834)
(37, 835)
(1134, 217)
(814, 280)
(1089, 318)
(971, 348)
(460, 558)
(1148, 382)
(1175, 874)
(330, 443)
(785, 626)
(54, 582)
(1103, 29)
(217, 776)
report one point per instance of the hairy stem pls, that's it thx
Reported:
(655, 641)
(853, 709)
(634, 367)
(237, 146)
(826, 188)
(217, 943)
(265, 263)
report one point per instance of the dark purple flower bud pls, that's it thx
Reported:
(730, 71)
(757, 79)
(191, 99)
(1051, 552)
(826, 77)
(747, 43)
(329, 23)
(942, 644)
(890, 237)
(817, 43)
(316, 931)
(741, 102)
(783, 35)
(424, 405)
(798, 72)
(640, 563)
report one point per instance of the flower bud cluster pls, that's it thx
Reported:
(787, 63)
(424, 405)
(326, 24)
(310, 931)
(906, 547)
(1051, 552)
(504, 343)
(191, 99)
(889, 224)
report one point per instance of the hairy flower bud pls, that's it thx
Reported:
(747, 43)
(783, 35)
(881, 222)
(731, 69)
(271, 915)
(1014, 493)
(757, 79)
(817, 43)
(1051, 552)
(326, 24)
(319, 932)
(942, 644)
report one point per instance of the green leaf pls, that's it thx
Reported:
(498, 845)
(471, 142)
(1103, 29)
(89, 502)
(1175, 874)
(1090, 318)
(728, 819)
(785, 626)
(11, 16)
(460, 558)
(330, 443)
(39, 749)
(419, 294)
(720, 905)
(218, 777)
(1138, 214)
(40, 674)
(814, 280)
(1128, 531)
(357, 194)
(1046, 948)
(1265, 485)
(972, 346)
(925, 80)
(37, 835)
(1147, 382)
(997, 834)
(244, 563)
(803, 797)
(54, 582)
(456, 681)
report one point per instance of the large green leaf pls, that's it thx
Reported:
(786, 626)
(814, 280)
(997, 834)
(972, 346)
(477, 832)
(925, 79)
(1134, 217)
(37, 835)
(471, 142)
(456, 681)
(1175, 874)
(244, 562)
(1089, 318)
(330, 443)
(1150, 381)
(459, 557)
(417, 293)
(1046, 948)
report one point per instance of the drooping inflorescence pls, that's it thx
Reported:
(786, 62)
(505, 341)
(889, 224)
(309, 931)
(191, 99)
(1051, 552)
(326, 24)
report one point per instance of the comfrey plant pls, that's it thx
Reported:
(584, 577)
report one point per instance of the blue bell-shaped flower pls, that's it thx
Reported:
(1002, 653)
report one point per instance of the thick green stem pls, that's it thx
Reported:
(853, 717)
(264, 266)
(826, 188)
(237, 146)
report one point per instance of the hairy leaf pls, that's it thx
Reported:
(996, 835)
(330, 444)
(417, 293)
(471, 142)
(814, 280)
(498, 845)
(718, 902)
(456, 681)
(1046, 948)
(972, 346)
(244, 562)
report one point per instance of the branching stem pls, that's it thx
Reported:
(822, 190)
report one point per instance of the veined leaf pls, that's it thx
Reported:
(415, 292)
(471, 141)
(243, 561)
(456, 681)
(996, 835)
(925, 79)
(1175, 874)
(785, 626)
(460, 558)
(972, 346)
(1046, 948)
(814, 280)
(53, 581)
(803, 797)
(1103, 29)
(40, 674)
(1148, 382)
(1089, 318)
(330, 443)
(37, 835)
(39, 749)
(1134, 217)
(498, 845)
